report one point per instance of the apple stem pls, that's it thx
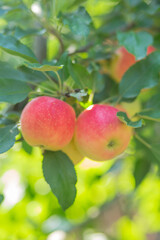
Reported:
(142, 141)
(49, 78)
(35, 84)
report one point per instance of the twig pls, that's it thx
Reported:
(82, 49)
(142, 141)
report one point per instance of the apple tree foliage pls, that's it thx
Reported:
(55, 48)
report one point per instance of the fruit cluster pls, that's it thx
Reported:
(97, 133)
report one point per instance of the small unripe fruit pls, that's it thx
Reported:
(48, 122)
(99, 134)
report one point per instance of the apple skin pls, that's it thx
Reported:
(48, 122)
(73, 153)
(99, 134)
(122, 61)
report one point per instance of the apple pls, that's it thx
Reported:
(73, 153)
(48, 122)
(122, 61)
(99, 134)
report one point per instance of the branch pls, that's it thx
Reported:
(82, 49)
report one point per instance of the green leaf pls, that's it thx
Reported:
(156, 150)
(43, 68)
(59, 173)
(27, 148)
(142, 167)
(78, 22)
(124, 118)
(13, 46)
(1, 198)
(136, 43)
(153, 115)
(21, 33)
(64, 74)
(6, 10)
(8, 72)
(31, 75)
(13, 91)
(143, 74)
(7, 137)
(79, 95)
(80, 75)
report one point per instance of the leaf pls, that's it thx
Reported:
(136, 43)
(78, 22)
(6, 10)
(143, 74)
(27, 148)
(1, 198)
(59, 173)
(156, 150)
(13, 91)
(79, 95)
(142, 167)
(124, 118)
(80, 75)
(64, 74)
(153, 115)
(14, 47)
(8, 72)
(154, 102)
(7, 137)
(31, 75)
(43, 68)
(21, 33)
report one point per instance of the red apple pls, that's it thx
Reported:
(99, 134)
(122, 61)
(48, 122)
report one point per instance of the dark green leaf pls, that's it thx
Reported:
(142, 167)
(13, 91)
(59, 173)
(31, 75)
(8, 72)
(1, 198)
(27, 148)
(15, 47)
(143, 74)
(156, 150)
(7, 137)
(124, 118)
(136, 43)
(43, 68)
(80, 75)
(64, 74)
(78, 22)
(153, 115)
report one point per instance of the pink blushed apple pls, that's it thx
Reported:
(99, 134)
(48, 122)
(122, 61)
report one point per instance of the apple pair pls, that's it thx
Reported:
(97, 134)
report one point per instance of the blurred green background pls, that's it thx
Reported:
(117, 199)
